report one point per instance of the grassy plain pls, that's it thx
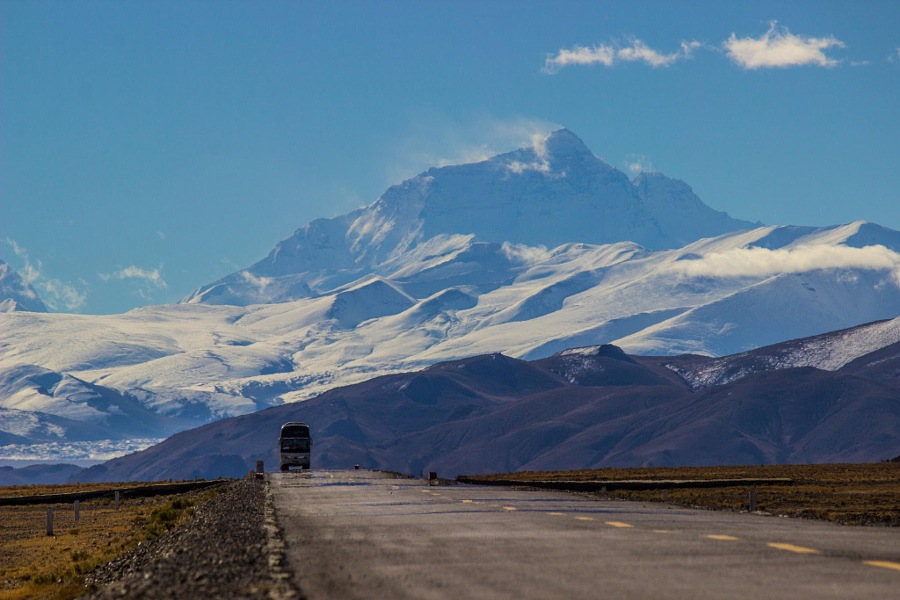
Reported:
(35, 565)
(857, 494)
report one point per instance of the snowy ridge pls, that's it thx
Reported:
(829, 352)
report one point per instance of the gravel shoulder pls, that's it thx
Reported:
(230, 549)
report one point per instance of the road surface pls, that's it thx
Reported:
(362, 534)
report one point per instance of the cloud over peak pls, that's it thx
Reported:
(153, 276)
(610, 54)
(779, 48)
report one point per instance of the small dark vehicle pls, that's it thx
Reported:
(294, 446)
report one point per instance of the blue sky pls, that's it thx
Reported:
(148, 148)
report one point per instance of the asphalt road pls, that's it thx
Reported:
(359, 534)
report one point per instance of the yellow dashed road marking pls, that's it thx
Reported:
(723, 537)
(883, 563)
(793, 548)
(585, 518)
(557, 514)
(663, 531)
(618, 524)
(510, 508)
(466, 501)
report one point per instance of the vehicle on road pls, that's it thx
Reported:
(294, 446)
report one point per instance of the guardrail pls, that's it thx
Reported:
(132, 492)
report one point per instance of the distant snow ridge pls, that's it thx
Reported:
(16, 293)
(828, 352)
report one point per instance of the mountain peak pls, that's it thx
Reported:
(563, 142)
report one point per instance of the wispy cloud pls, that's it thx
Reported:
(436, 140)
(152, 277)
(609, 55)
(162, 235)
(761, 262)
(895, 56)
(638, 163)
(55, 293)
(779, 48)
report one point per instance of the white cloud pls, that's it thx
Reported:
(638, 163)
(519, 167)
(152, 277)
(521, 253)
(162, 235)
(762, 262)
(779, 48)
(895, 56)
(261, 282)
(610, 54)
(55, 293)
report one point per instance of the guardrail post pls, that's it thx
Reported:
(117, 499)
(49, 520)
(753, 500)
(77, 511)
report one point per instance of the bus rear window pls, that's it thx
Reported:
(295, 431)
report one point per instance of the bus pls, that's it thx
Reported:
(294, 445)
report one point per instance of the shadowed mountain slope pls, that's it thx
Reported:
(582, 408)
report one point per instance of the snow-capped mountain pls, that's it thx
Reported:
(552, 193)
(457, 262)
(16, 293)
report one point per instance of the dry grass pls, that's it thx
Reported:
(34, 565)
(858, 494)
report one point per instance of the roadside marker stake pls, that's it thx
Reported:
(883, 563)
(793, 548)
(752, 500)
(618, 524)
(49, 520)
(117, 499)
(77, 511)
